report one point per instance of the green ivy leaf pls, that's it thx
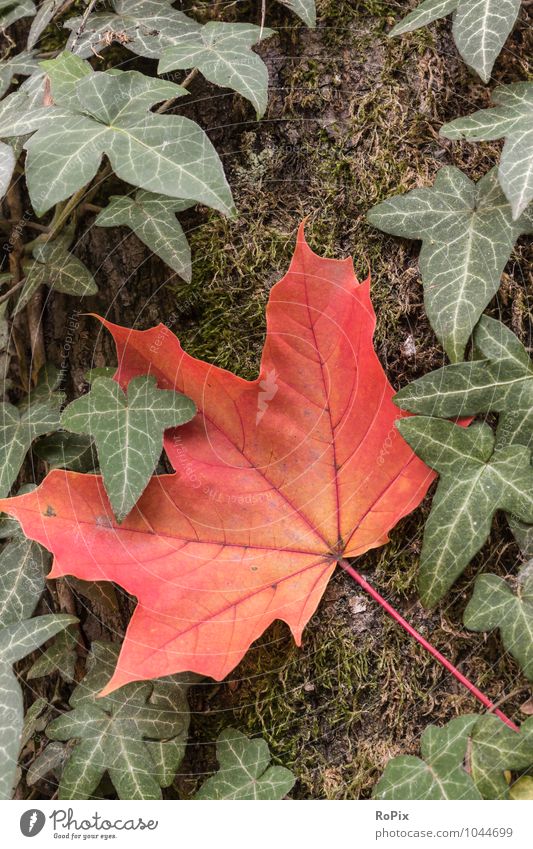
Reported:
(523, 534)
(245, 771)
(466, 759)
(64, 73)
(51, 759)
(522, 789)
(35, 719)
(22, 64)
(18, 429)
(467, 233)
(55, 267)
(305, 9)
(496, 748)
(137, 735)
(12, 11)
(494, 605)
(502, 383)
(22, 112)
(425, 13)
(222, 53)
(64, 450)
(7, 166)
(512, 119)
(128, 431)
(60, 657)
(440, 773)
(480, 27)
(45, 13)
(476, 480)
(107, 113)
(99, 371)
(22, 567)
(152, 218)
(145, 27)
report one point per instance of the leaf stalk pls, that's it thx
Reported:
(363, 583)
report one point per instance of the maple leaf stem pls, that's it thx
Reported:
(427, 646)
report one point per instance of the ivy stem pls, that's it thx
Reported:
(15, 288)
(184, 84)
(60, 218)
(427, 646)
(83, 23)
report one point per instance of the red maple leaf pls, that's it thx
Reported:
(276, 480)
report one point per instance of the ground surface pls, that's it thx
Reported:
(353, 118)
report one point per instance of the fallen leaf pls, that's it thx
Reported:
(260, 509)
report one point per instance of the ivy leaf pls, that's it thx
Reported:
(58, 269)
(12, 11)
(23, 64)
(233, 469)
(21, 638)
(305, 9)
(512, 119)
(99, 371)
(522, 789)
(145, 27)
(425, 13)
(496, 748)
(523, 534)
(480, 27)
(64, 73)
(7, 166)
(18, 429)
(64, 450)
(466, 759)
(244, 771)
(152, 217)
(45, 13)
(128, 430)
(494, 605)
(476, 480)
(51, 759)
(502, 383)
(22, 567)
(138, 736)
(467, 233)
(222, 53)
(23, 111)
(60, 657)
(107, 113)
(440, 773)
(35, 719)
